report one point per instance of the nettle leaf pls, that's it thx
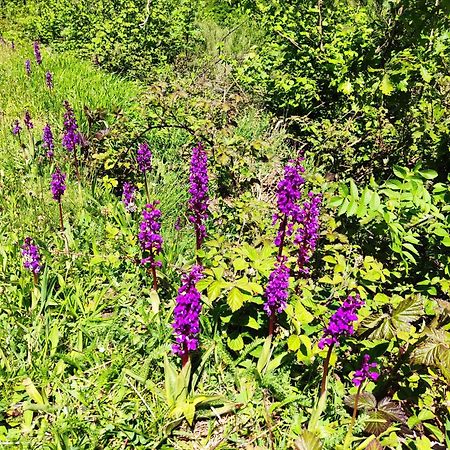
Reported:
(366, 402)
(377, 423)
(407, 312)
(235, 299)
(307, 441)
(392, 409)
(380, 325)
(435, 351)
(374, 445)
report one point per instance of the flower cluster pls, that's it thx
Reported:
(28, 67)
(49, 79)
(367, 371)
(277, 289)
(288, 195)
(58, 184)
(71, 137)
(47, 140)
(186, 324)
(37, 52)
(16, 129)
(31, 257)
(199, 200)
(27, 120)
(150, 239)
(144, 157)
(307, 233)
(128, 196)
(341, 322)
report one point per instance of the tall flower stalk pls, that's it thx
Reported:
(339, 327)
(58, 187)
(128, 197)
(198, 190)
(47, 141)
(28, 67)
(37, 53)
(277, 292)
(29, 124)
(71, 136)
(16, 129)
(288, 195)
(186, 325)
(307, 233)
(49, 79)
(31, 258)
(150, 239)
(366, 372)
(144, 160)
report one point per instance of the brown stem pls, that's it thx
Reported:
(326, 365)
(184, 356)
(355, 407)
(146, 188)
(35, 278)
(272, 322)
(283, 235)
(61, 216)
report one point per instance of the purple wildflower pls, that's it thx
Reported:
(16, 129)
(367, 371)
(199, 200)
(149, 237)
(277, 289)
(28, 67)
(128, 196)
(13, 45)
(37, 52)
(341, 322)
(288, 195)
(49, 79)
(27, 120)
(47, 140)
(71, 137)
(308, 232)
(31, 257)
(58, 184)
(144, 158)
(186, 325)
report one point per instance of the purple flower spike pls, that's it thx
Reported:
(288, 195)
(31, 257)
(128, 196)
(49, 79)
(47, 141)
(308, 232)
(150, 239)
(341, 322)
(16, 129)
(71, 136)
(144, 158)
(37, 52)
(367, 372)
(27, 121)
(199, 200)
(186, 325)
(277, 289)
(177, 224)
(28, 67)
(58, 184)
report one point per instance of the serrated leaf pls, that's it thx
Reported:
(293, 342)
(386, 86)
(307, 441)
(235, 343)
(374, 445)
(377, 423)
(366, 402)
(425, 74)
(235, 299)
(335, 202)
(240, 264)
(392, 409)
(407, 312)
(428, 174)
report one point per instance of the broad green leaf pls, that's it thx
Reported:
(235, 343)
(235, 299)
(428, 174)
(386, 86)
(307, 441)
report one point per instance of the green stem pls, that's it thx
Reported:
(146, 187)
(349, 435)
